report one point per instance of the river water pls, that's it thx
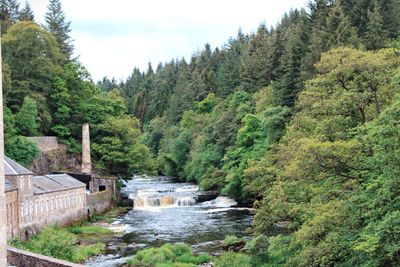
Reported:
(165, 211)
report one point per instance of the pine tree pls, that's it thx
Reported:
(26, 13)
(339, 31)
(57, 25)
(9, 13)
(375, 36)
(256, 65)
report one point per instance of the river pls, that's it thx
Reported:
(165, 211)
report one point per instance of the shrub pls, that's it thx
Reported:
(168, 255)
(232, 259)
(59, 243)
(258, 249)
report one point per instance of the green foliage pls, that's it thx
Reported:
(57, 25)
(231, 240)
(118, 148)
(59, 243)
(258, 249)
(21, 149)
(94, 229)
(26, 118)
(168, 255)
(232, 259)
(33, 58)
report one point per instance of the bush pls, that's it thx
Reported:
(232, 259)
(168, 255)
(258, 249)
(59, 243)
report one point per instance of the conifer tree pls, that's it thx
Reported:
(26, 13)
(339, 31)
(376, 34)
(57, 25)
(9, 13)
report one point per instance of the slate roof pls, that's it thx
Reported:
(66, 180)
(54, 183)
(9, 186)
(13, 168)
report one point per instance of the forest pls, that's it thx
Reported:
(300, 120)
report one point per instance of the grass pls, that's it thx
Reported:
(231, 240)
(109, 216)
(89, 230)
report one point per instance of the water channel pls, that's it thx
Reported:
(165, 211)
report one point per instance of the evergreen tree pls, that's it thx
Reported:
(339, 31)
(57, 25)
(9, 13)
(290, 82)
(26, 13)
(376, 35)
(256, 65)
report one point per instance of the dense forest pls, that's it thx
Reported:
(300, 120)
(48, 92)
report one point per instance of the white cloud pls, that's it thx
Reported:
(113, 37)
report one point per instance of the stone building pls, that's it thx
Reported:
(12, 209)
(36, 201)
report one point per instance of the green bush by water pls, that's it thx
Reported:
(232, 259)
(168, 255)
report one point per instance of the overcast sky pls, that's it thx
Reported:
(113, 37)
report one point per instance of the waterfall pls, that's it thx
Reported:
(162, 201)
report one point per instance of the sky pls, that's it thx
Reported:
(113, 37)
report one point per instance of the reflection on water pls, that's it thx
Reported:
(168, 212)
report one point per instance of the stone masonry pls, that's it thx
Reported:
(86, 160)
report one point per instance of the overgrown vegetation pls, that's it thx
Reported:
(168, 255)
(59, 243)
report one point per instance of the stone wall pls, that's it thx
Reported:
(12, 214)
(45, 143)
(57, 160)
(20, 258)
(97, 182)
(63, 208)
(100, 202)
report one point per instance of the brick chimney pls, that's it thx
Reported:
(86, 161)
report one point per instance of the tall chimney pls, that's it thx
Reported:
(3, 212)
(86, 161)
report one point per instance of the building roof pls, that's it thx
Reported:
(66, 180)
(54, 183)
(9, 186)
(13, 168)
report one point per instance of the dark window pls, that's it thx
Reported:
(102, 188)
